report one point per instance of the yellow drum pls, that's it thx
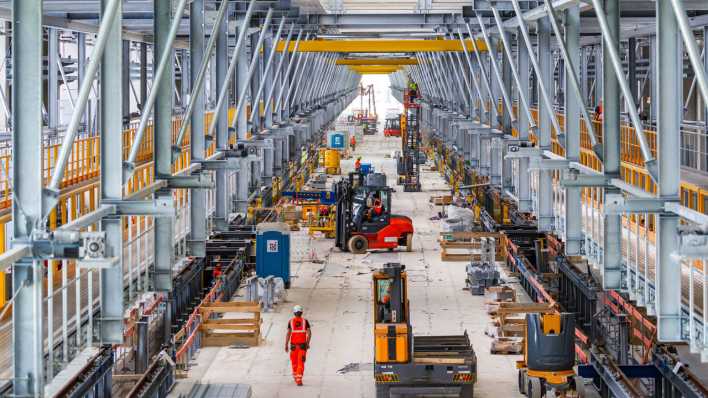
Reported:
(332, 162)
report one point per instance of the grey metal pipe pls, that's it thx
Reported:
(297, 79)
(479, 62)
(252, 68)
(165, 58)
(224, 90)
(84, 91)
(291, 64)
(691, 48)
(66, 83)
(211, 44)
(256, 99)
(279, 68)
(495, 68)
(534, 63)
(570, 70)
(514, 72)
(649, 161)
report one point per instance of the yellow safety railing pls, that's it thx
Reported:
(80, 185)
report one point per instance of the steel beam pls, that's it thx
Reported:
(27, 211)
(111, 321)
(381, 46)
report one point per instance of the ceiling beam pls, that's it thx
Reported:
(374, 69)
(378, 61)
(380, 46)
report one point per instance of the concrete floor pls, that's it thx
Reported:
(336, 296)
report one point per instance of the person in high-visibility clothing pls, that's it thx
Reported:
(352, 143)
(357, 164)
(297, 341)
(412, 90)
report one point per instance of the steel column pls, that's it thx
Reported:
(143, 75)
(573, 202)
(125, 80)
(223, 194)
(523, 188)
(196, 242)
(670, 85)
(27, 211)
(112, 93)
(612, 224)
(53, 57)
(242, 83)
(546, 119)
(162, 131)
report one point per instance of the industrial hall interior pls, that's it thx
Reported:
(354, 198)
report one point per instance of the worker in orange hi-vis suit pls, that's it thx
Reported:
(297, 341)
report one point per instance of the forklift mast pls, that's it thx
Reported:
(393, 337)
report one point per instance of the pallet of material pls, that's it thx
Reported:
(505, 327)
(470, 240)
(242, 327)
(507, 345)
(499, 294)
(504, 308)
(441, 200)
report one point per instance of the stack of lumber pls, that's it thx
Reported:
(243, 325)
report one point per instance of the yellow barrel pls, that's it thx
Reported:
(331, 160)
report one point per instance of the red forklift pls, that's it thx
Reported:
(364, 219)
(392, 128)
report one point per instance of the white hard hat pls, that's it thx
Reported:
(297, 308)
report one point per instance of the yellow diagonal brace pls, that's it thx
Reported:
(378, 61)
(381, 46)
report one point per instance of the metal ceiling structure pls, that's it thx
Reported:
(214, 120)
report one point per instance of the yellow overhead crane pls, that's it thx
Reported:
(381, 46)
(374, 69)
(377, 61)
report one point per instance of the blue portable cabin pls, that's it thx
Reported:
(273, 251)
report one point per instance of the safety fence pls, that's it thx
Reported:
(188, 340)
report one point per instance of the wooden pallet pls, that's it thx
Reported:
(244, 328)
(499, 294)
(441, 200)
(507, 346)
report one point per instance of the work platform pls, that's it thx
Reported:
(336, 295)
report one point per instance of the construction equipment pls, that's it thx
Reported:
(392, 127)
(405, 364)
(369, 118)
(549, 353)
(408, 166)
(364, 219)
